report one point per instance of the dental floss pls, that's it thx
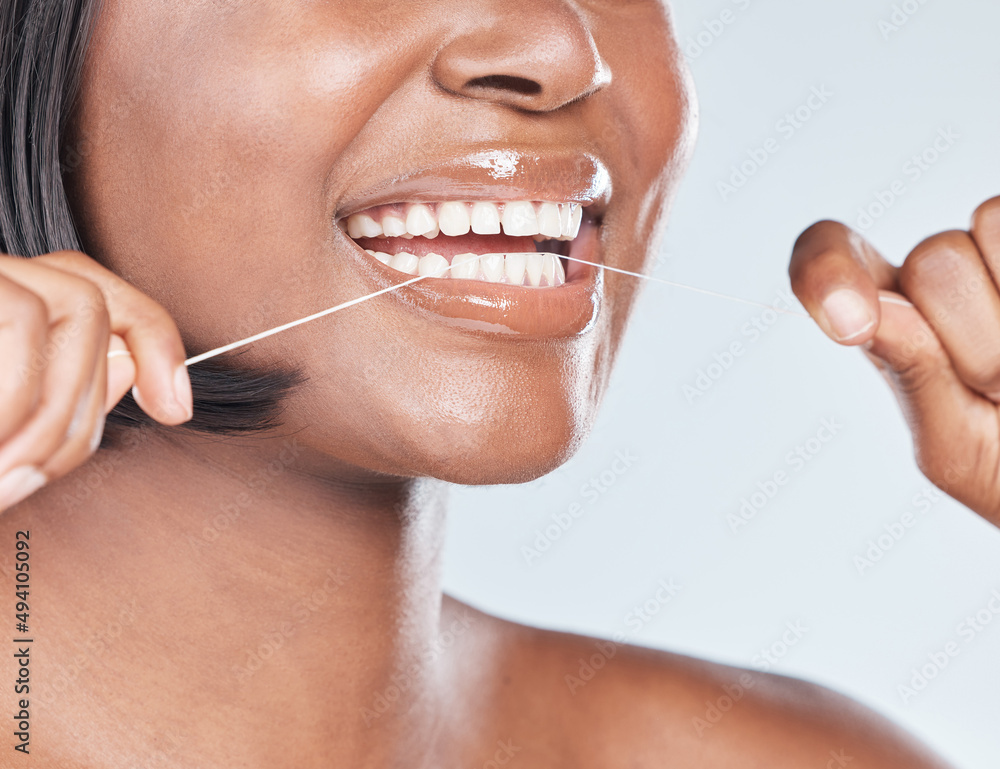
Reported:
(300, 321)
(270, 332)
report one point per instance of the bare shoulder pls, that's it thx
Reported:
(597, 703)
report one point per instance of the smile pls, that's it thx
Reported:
(495, 248)
(518, 243)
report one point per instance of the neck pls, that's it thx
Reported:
(245, 592)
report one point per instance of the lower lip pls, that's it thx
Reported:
(556, 312)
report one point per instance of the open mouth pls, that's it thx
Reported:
(517, 243)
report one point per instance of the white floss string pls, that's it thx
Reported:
(278, 329)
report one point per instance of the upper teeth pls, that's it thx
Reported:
(521, 218)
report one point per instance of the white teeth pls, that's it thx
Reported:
(454, 219)
(380, 255)
(492, 266)
(485, 219)
(513, 268)
(560, 272)
(549, 263)
(576, 219)
(537, 270)
(534, 268)
(465, 266)
(393, 226)
(420, 220)
(519, 219)
(433, 264)
(363, 226)
(405, 262)
(565, 217)
(549, 223)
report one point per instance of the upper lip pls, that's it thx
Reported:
(496, 175)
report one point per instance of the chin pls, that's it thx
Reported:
(497, 454)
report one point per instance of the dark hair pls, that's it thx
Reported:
(42, 48)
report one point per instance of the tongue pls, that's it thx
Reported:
(451, 246)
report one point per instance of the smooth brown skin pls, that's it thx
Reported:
(219, 139)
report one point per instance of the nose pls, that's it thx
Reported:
(533, 55)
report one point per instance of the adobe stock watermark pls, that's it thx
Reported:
(733, 693)
(635, 620)
(796, 460)
(785, 129)
(506, 750)
(723, 361)
(937, 661)
(912, 171)
(231, 512)
(773, 653)
(93, 474)
(88, 312)
(712, 29)
(563, 521)
(899, 16)
(406, 678)
(302, 612)
(893, 532)
(97, 642)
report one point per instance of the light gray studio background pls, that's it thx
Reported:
(882, 94)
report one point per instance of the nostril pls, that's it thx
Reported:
(521, 85)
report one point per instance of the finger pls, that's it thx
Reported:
(954, 429)
(163, 387)
(946, 278)
(836, 275)
(985, 231)
(84, 434)
(76, 343)
(121, 372)
(24, 326)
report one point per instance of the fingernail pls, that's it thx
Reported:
(182, 390)
(848, 314)
(19, 483)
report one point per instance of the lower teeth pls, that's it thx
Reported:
(532, 270)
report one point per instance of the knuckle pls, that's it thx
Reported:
(28, 308)
(90, 295)
(89, 305)
(939, 256)
(67, 257)
(986, 217)
(156, 323)
(984, 377)
(916, 361)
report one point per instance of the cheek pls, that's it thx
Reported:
(648, 125)
(650, 121)
(212, 143)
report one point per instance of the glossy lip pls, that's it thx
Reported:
(564, 311)
(499, 176)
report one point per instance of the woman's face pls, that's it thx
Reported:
(225, 143)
